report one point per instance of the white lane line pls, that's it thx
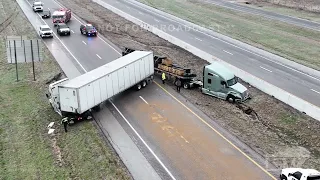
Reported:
(157, 158)
(227, 52)
(143, 99)
(315, 91)
(157, 20)
(98, 56)
(198, 39)
(197, 30)
(62, 42)
(72, 31)
(109, 45)
(265, 69)
(84, 42)
(81, 22)
(140, 12)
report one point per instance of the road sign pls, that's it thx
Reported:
(26, 50)
(21, 50)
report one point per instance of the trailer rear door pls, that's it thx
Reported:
(68, 99)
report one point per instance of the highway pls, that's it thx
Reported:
(271, 15)
(300, 84)
(177, 139)
(91, 52)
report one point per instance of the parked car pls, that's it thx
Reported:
(88, 30)
(45, 31)
(63, 29)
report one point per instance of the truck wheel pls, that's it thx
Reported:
(231, 99)
(186, 86)
(144, 84)
(97, 108)
(138, 86)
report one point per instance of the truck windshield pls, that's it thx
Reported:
(232, 81)
(45, 29)
(57, 16)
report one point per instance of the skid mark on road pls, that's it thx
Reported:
(217, 132)
(164, 124)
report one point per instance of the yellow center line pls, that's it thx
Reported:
(216, 131)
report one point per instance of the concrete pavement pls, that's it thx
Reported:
(185, 138)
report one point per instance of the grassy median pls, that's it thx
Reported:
(26, 150)
(294, 12)
(291, 42)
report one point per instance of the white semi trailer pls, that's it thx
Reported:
(76, 97)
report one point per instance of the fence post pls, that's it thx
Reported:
(10, 50)
(32, 58)
(24, 52)
(15, 57)
(38, 50)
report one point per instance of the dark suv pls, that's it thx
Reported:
(88, 30)
(63, 29)
(46, 14)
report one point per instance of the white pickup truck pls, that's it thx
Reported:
(37, 6)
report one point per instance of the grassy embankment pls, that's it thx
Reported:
(26, 150)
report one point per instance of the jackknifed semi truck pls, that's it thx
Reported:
(217, 80)
(76, 98)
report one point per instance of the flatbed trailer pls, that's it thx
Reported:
(187, 82)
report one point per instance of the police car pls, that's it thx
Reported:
(299, 174)
(88, 30)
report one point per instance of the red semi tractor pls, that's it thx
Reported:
(63, 15)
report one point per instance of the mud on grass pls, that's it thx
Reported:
(26, 150)
(280, 130)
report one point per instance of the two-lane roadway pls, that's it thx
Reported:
(91, 52)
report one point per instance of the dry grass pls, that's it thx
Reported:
(306, 5)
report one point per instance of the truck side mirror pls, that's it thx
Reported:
(224, 84)
(47, 95)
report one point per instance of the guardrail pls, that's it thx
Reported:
(280, 94)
